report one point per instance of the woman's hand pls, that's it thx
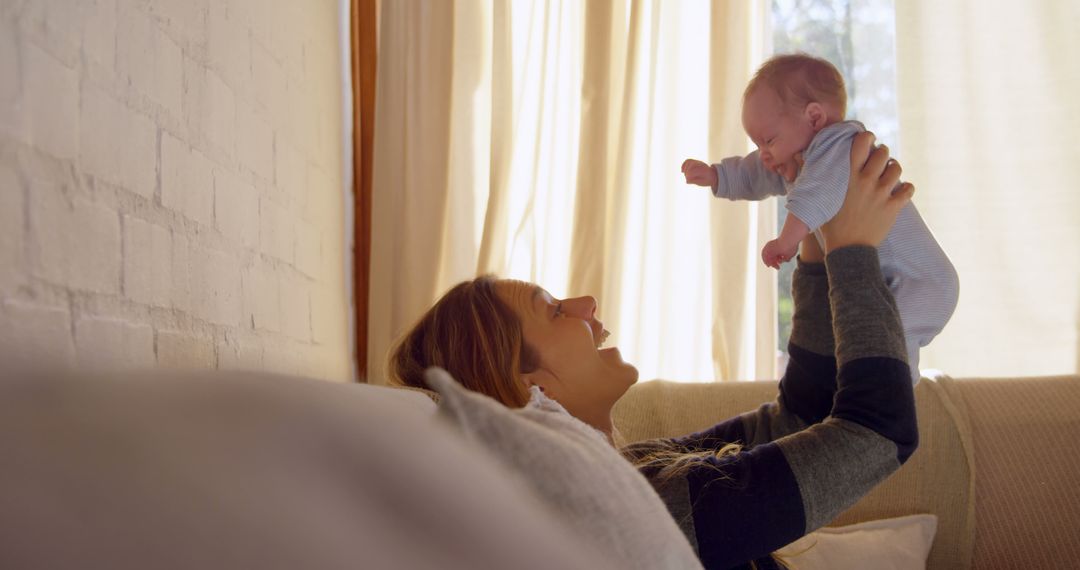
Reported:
(871, 205)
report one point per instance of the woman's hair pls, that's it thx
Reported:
(799, 79)
(475, 336)
(664, 459)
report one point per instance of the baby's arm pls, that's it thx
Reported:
(735, 178)
(784, 247)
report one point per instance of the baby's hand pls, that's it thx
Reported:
(774, 253)
(699, 173)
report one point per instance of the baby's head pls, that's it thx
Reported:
(789, 100)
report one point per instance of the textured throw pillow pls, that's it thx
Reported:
(901, 543)
(574, 470)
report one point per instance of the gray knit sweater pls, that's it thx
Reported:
(844, 419)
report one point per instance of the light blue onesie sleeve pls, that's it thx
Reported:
(746, 178)
(819, 190)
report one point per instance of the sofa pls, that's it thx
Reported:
(223, 470)
(998, 462)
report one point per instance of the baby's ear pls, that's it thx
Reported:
(816, 115)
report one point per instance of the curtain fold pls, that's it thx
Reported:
(589, 237)
(492, 246)
(989, 104)
(744, 343)
(542, 141)
(410, 171)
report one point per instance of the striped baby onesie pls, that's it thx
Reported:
(917, 271)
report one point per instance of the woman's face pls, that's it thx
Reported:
(565, 334)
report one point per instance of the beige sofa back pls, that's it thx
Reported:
(1025, 438)
(1020, 435)
(937, 478)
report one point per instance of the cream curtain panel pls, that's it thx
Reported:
(989, 109)
(542, 141)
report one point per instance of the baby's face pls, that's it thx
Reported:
(779, 130)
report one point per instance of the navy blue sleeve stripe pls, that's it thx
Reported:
(754, 506)
(809, 384)
(728, 431)
(875, 392)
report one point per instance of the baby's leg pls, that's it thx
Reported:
(913, 359)
(925, 307)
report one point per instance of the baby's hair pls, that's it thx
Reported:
(800, 79)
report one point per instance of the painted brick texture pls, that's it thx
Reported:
(170, 187)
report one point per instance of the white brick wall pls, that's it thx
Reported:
(276, 230)
(255, 142)
(36, 332)
(295, 307)
(236, 208)
(99, 33)
(108, 343)
(187, 180)
(51, 97)
(147, 262)
(117, 144)
(149, 60)
(9, 67)
(11, 216)
(185, 349)
(169, 185)
(74, 242)
(261, 297)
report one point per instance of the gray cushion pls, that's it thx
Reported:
(254, 471)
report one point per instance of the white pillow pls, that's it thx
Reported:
(575, 471)
(901, 543)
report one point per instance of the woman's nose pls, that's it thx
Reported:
(580, 307)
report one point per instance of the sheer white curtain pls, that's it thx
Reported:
(542, 141)
(989, 108)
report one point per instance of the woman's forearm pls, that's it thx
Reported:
(745, 505)
(869, 335)
(872, 429)
(809, 382)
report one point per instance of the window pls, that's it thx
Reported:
(858, 37)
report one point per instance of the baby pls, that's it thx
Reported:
(796, 104)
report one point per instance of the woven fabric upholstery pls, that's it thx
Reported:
(1027, 458)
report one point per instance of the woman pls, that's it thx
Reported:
(843, 421)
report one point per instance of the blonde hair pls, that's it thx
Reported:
(476, 337)
(665, 460)
(800, 79)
